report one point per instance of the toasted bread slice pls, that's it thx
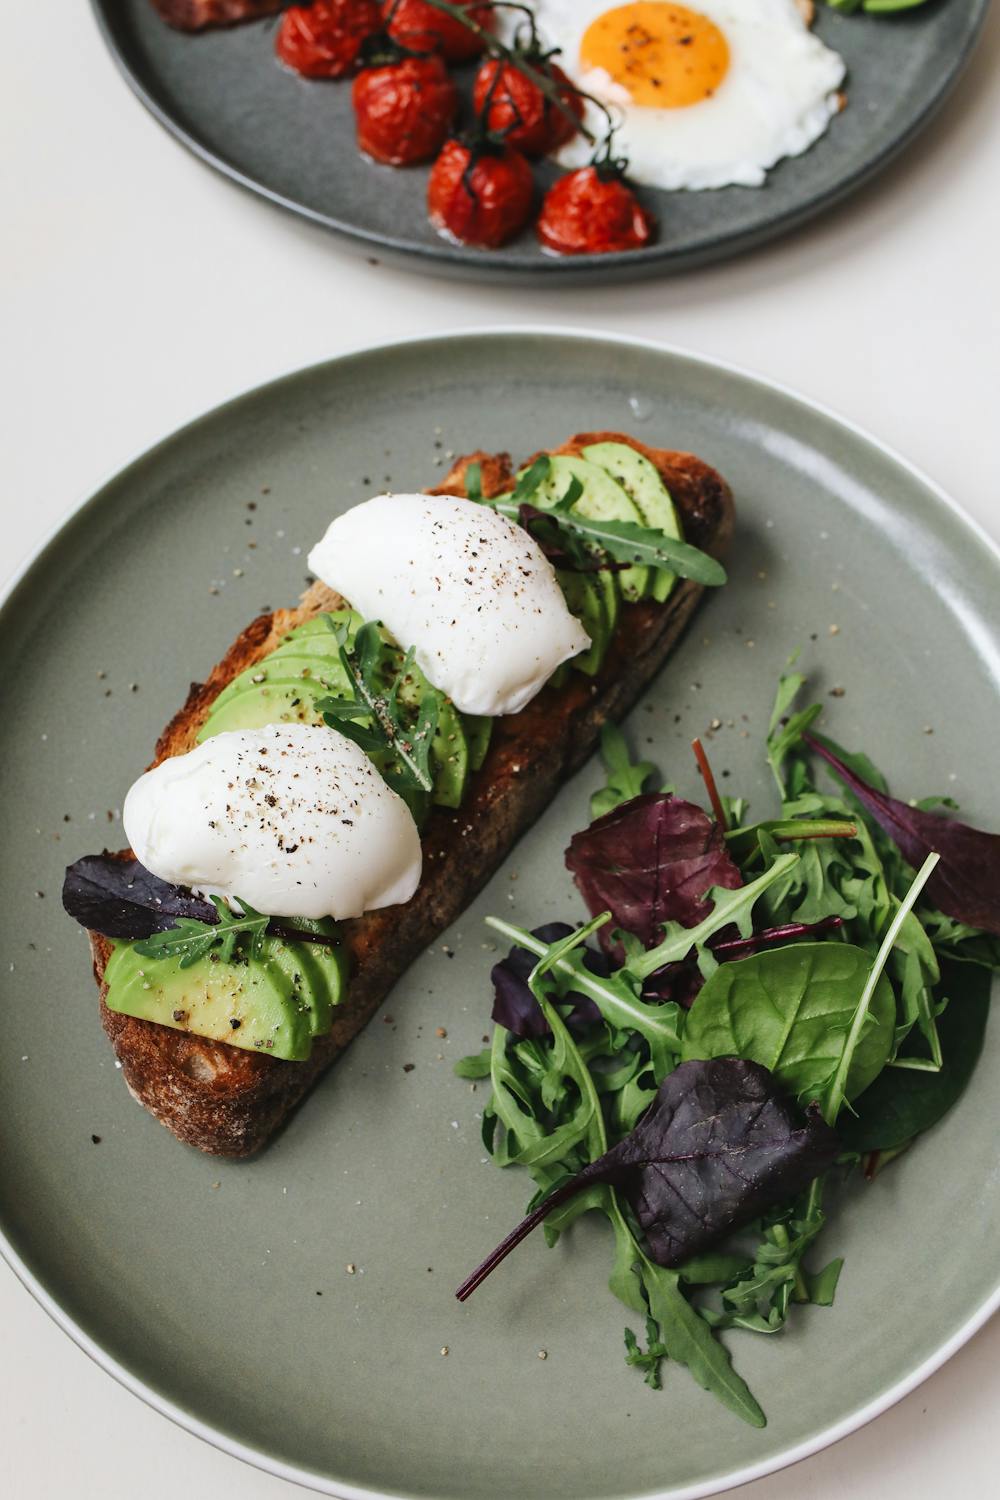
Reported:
(229, 1102)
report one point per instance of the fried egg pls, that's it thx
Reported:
(706, 97)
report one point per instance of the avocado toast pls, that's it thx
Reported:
(229, 1100)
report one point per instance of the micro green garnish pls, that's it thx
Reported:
(190, 940)
(623, 542)
(374, 718)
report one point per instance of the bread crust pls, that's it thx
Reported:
(229, 1102)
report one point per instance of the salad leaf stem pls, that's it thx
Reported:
(836, 1092)
(742, 841)
(708, 778)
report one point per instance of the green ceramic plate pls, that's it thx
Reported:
(219, 1292)
(224, 97)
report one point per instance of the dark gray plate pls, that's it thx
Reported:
(225, 97)
(196, 1282)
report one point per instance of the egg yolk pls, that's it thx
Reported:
(666, 56)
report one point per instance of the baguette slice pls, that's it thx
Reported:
(230, 1102)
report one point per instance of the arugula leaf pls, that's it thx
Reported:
(515, 1007)
(375, 720)
(626, 778)
(759, 1299)
(614, 997)
(474, 482)
(783, 733)
(648, 1359)
(728, 906)
(191, 940)
(623, 541)
(790, 1009)
(642, 1285)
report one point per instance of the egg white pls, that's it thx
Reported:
(777, 98)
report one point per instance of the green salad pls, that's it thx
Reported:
(753, 1011)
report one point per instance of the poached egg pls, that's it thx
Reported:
(293, 818)
(471, 592)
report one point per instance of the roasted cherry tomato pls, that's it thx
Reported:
(404, 110)
(480, 195)
(419, 26)
(515, 108)
(323, 40)
(592, 212)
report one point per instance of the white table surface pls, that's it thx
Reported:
(137, 289)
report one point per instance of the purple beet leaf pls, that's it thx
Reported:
(651, 860)
(121, 899)
(966, 882)
(718, 1146)
(515, 1007)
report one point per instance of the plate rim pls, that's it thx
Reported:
(190, 1421)
(439, 258)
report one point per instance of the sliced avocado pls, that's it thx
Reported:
(287, 685)
(317, 635)
(450, 750)
(315, 975)
(324, 672)
(292, 701)
(320, 971)
(478, 733)
(585, 599)
(449, 757)
(602, 499)
(249, 1004)
(641, 481)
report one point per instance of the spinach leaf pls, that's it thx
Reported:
(790, 1009)
(650, 861)
(903, 1102)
